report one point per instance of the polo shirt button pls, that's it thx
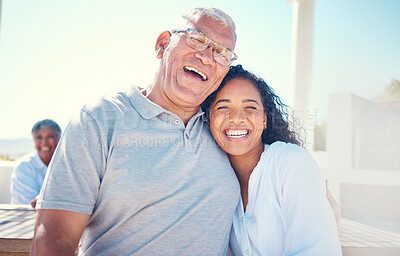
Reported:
(247, 251)
(177, 122)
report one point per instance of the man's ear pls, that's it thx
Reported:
(161, 43)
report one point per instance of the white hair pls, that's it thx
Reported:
(216, 14)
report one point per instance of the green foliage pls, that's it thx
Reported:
(6, 158)
(392, 92)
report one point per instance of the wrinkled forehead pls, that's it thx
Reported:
(215, 30)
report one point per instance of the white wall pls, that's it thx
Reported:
(6, 168)
(362, 170)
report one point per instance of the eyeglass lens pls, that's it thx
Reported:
(200, 42)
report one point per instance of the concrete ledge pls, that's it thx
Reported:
(366, 251)
(6, 168)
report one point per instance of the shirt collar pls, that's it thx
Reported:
(148, 109)
(38, 162)
(143, 106)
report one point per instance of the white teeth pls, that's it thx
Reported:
(236, 133)
(45, 148)
(204, 77)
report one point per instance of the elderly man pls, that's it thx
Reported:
(138, 173)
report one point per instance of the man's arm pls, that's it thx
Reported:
(57, 232)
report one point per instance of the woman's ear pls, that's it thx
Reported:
(161, 43)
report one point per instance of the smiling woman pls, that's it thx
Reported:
(237, 117)
(28, 176)
(283, 208)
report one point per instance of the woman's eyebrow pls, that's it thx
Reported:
(223, 100)
(250, 100)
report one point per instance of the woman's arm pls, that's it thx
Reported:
(310, 222)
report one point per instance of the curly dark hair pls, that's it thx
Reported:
(277, 114)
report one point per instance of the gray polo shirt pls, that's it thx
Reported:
(151, 185)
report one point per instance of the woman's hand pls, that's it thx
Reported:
(33, 202)
(334, 205)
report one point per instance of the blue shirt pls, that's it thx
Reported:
(27, 179)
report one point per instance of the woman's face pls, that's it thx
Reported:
(46, 140)
(237, 117)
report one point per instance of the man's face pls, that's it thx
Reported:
(189, 76)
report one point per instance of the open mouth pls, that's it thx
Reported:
(236, 133)
(195, 72)
(45, 148)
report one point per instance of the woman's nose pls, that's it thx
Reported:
(44, 141)
(237, 116)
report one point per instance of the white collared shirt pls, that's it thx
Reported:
(287, 211)
(27, 179)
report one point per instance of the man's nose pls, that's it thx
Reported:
(207, 56)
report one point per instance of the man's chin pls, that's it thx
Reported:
(190, 98)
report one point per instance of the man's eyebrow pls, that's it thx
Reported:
(250, 100)
(223, 100)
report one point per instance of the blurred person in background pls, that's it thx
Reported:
(28, 176)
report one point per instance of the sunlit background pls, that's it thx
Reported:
(55, 56)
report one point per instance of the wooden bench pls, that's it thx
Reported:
(17, 224)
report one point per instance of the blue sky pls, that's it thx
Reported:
(55, 56)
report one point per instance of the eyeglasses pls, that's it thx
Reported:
(199, 42)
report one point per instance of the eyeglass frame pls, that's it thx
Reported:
(211, 42)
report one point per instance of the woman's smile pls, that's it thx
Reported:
(237, 117)
(236, 133)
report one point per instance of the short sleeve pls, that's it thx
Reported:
(74, 175)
